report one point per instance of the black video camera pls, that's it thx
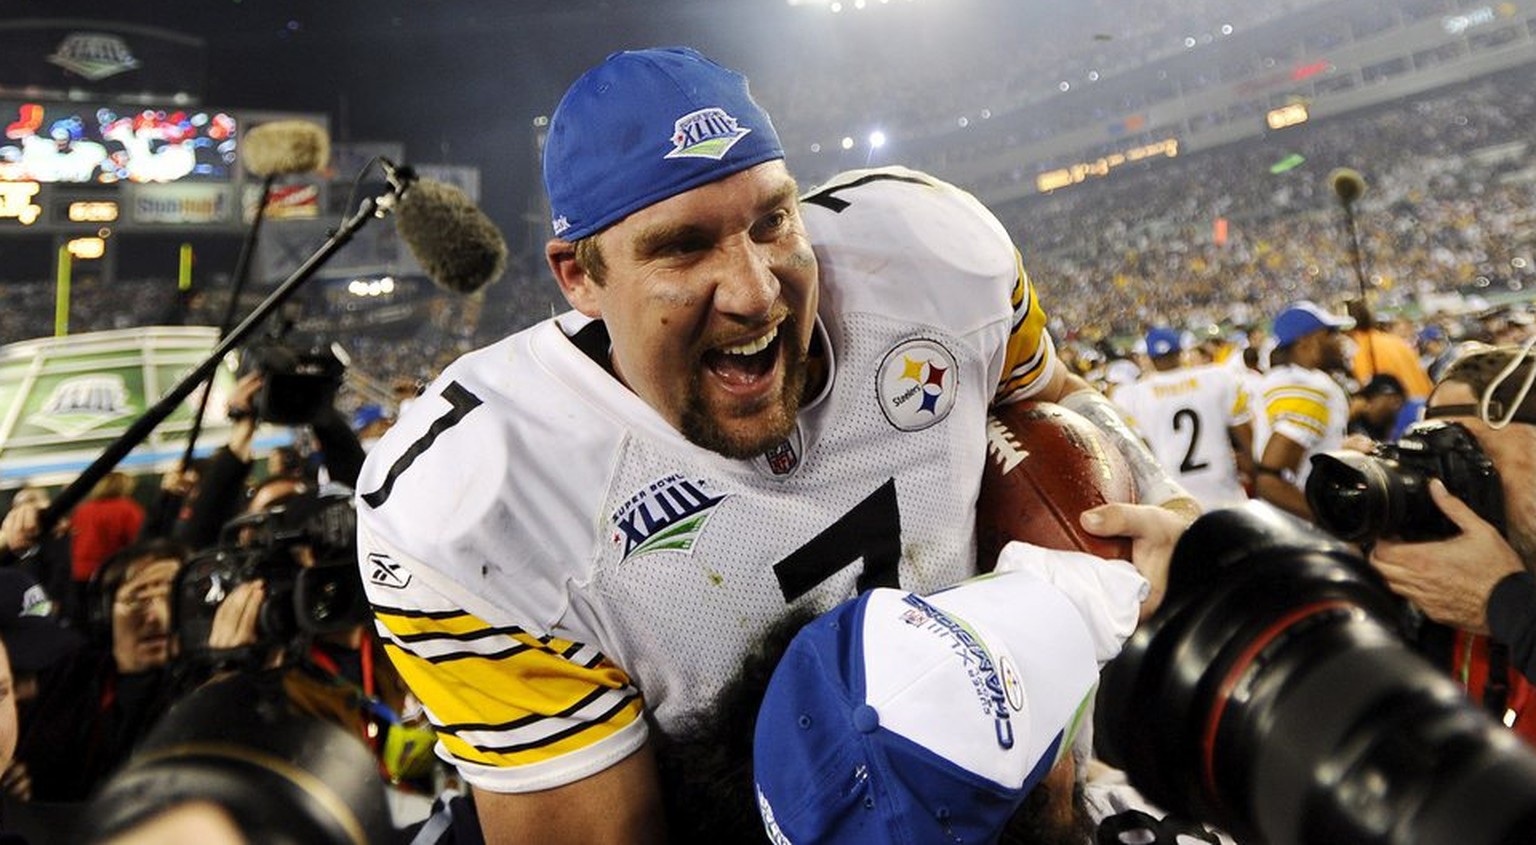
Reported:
(1272, 694)
(1362, 498)
(297, 383)
(305, 549)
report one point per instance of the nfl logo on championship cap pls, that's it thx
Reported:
(901, 719)
(643, 126)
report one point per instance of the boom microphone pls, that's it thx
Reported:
(460, 249)
(282, 147)
(1347, 183)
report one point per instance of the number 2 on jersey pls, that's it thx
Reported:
(1180, 417)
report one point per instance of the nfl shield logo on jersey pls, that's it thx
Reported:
(917, 384)
(783, 459)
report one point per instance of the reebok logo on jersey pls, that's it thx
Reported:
(668, 515)
(916, 385)
(706, 133)
(384, 572)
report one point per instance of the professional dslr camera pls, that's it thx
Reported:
(1362, 498)
(305, 549)
(298, 382)
(1272, 694)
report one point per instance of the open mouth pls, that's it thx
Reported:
(745, 363)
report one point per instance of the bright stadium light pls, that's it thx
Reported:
(876, 139)
(847, 143)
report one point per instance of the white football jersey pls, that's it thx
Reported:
(1184, 416)
(542, 549)
(1306, 406)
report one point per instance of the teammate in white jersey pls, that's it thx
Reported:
(1301, 410)
(760, 401)
(1196, 420)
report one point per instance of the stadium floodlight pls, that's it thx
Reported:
(847, 143)
(876, 139)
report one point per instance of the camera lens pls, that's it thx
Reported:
(1339, 495)
(1273, 695)
(1358, 497)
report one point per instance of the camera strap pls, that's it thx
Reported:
(1496, 410)
(1496, 687)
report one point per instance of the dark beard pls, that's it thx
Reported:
(703, 430)
(1038, 821)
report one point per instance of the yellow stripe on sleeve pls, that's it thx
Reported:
(519, 699)
(1294, 406)
(1029, 350)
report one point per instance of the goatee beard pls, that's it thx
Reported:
(703, 428)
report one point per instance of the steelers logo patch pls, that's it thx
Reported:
(916, 385)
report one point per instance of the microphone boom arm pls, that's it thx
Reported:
(65, 501)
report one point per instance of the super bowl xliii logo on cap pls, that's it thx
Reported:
(706, 133)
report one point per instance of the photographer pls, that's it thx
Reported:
(1480, 581)
(274, 392)
(282, 592)
(91, 711)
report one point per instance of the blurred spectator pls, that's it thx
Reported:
(370, 422)
(47, 559)
(1380, 352)
(92, 709)
(221, 493)
(1375, 409)
(33, 640)
(108, 520)
(177, 487)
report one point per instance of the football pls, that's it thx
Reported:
(1045, 466)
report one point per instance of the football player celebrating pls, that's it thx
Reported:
(760, 401)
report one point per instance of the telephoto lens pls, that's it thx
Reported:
(1273, 695)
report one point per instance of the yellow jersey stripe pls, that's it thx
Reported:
(1298, 406)
(462, 626)
(1028, 345)
(573, 738)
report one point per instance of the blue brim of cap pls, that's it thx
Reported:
(822, 779)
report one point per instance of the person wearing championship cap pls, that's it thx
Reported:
(904, 718)
(1301, 409)
(1196, 419)
(760, 401)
